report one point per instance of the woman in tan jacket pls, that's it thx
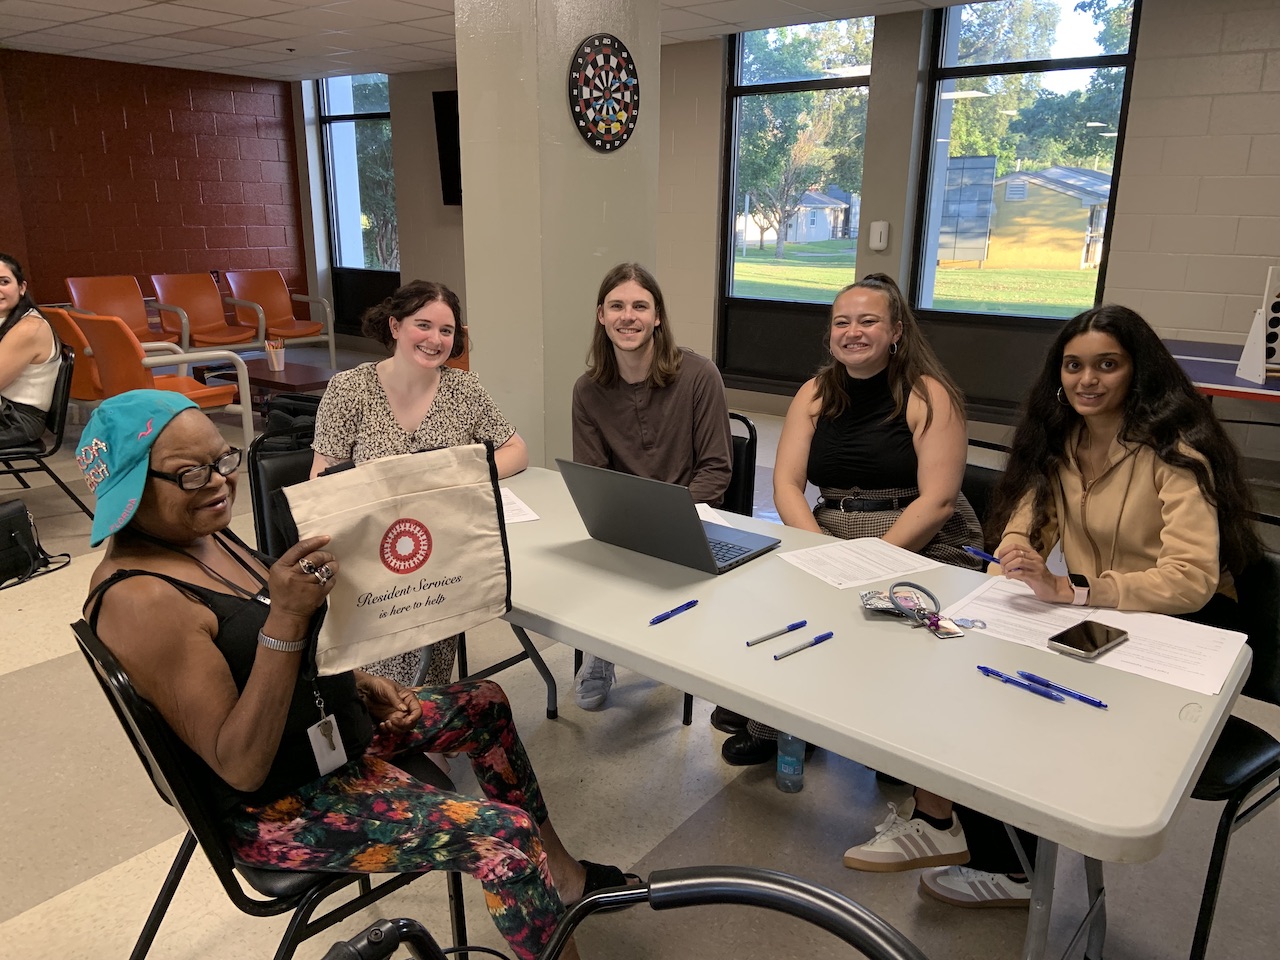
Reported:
(1121, 461)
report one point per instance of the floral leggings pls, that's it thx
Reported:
(370, 817)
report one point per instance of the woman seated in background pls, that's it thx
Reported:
(29, 360)
(213, 635)
(881, 432)
(1122, 462)
(409, 402)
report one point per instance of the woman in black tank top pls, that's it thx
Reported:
(880, 431)
(213, 634)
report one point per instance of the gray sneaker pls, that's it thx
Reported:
(593, 682)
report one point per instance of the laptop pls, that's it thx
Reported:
(657, 519)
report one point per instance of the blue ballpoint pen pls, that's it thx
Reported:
(981, 555)
(778, 633)
(671, 613)
(1066, 691)
(820, 638)
(1029, 687)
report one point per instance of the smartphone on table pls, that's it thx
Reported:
(1087, 639)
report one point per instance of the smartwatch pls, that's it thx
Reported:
(1080, 586)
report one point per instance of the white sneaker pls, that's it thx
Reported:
(901, 843)
(593, 682)
(963, 887)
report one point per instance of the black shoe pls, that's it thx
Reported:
(726, 721)
(744, 750)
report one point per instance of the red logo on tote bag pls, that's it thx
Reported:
(406, 546)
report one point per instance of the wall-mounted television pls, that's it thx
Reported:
(449, 146)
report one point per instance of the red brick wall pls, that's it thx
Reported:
(122, 168)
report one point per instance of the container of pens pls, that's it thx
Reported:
(275, 355)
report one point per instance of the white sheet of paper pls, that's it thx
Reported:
(853, 563)
(711, 515)
(1012, 612)
(1188, 655)
(514, 509)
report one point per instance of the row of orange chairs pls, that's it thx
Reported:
(110, 360)
(192, 312)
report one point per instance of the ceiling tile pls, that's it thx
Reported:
(387, 11)
(674, 21)
(11, 26)
(324, 18)
(137, 24)
(196, 16)
(43, 11)
(242, 8)
(176, 45)
(106, 6)
(737, 11)
(52, 43)
(257, 29)
(91, 31)
(403, 33)
(700, 33)
(445, 25)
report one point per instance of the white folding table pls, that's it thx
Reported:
(1106, 783)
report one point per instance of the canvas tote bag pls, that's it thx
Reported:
(422, 547)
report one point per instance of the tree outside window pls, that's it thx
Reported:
(356, 120)
(800, 111)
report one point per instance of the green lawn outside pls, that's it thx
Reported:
(813, 272)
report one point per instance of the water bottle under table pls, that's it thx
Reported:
(790, 778)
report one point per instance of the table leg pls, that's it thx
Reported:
(1097, 895)
(543, 670)
(1037, 938)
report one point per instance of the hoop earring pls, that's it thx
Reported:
(893, 348)
(1062, 399)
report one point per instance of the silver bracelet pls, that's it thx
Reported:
(284, 646)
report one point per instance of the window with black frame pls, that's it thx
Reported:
(355, 119)
(1027, 110)
(800, 110)
(797, 119)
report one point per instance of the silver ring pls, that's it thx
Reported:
(325, 574)
(306, 565)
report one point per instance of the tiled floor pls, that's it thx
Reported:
(85, 841)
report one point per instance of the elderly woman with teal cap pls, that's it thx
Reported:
(213, 634)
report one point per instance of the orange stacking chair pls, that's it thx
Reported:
(86, 385)
(123, 365)
(119, 297)
(193, 300)
(261, 296)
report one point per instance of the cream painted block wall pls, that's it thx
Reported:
(430, 232)
(1197, 216)
(689, 162)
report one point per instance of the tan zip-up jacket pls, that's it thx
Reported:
(1142, 532)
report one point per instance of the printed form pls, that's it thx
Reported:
(853, 563)
(1187, 655)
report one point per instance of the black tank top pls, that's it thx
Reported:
(239, 620)
(862, 447)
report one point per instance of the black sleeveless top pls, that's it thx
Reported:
(239, 620)
(862, 447)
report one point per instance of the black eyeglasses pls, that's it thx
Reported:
(193, 478)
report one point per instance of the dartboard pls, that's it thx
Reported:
(604, 92)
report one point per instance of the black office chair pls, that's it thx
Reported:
(741, 495)
(1244, 765)
(299, 892)
(979, 488)
(38, 451)
(281, 458)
